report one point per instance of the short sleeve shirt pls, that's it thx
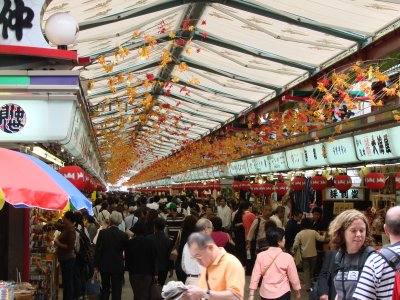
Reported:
(225, 273)
(347, 278)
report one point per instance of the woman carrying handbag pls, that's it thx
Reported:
(276, 268)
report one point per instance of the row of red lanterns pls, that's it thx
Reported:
(198, 186)
(81, 180)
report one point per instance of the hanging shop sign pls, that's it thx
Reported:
(277, 162)
(351, 194)
(252, 166)
(318, 182)
(233, 168)
(262, 164)
(315, 155)
(341, 151)
(394, 134)
(342, 182)
(210, 173)
(76, 175)
(374, 145)
(21, 23)
(295, 159)
(242, 167)
(27, 121)
(375, 181)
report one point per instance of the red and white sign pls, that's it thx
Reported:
(298, 183)
(342, 182)
(318, 182)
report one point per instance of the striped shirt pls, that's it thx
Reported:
(377, 278)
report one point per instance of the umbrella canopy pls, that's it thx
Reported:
(27, 181)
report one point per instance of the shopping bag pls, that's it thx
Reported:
(155, 291)
(93, 286)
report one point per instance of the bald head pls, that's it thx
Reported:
(392, 221)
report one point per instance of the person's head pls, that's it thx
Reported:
(131, 210)
(172, 208)
(280, 212)
(392, 224)
(266, 212)
(125, 206)
(159, 224)
(306, 224)
(350, 231)
(104, 205)
(216, 223)
(204, 225)
(139, 229)
(115, 218)
(269, 224)
(150, 216)
(212, 202)
(275, 237)
(209, 211)
(202, 248)
(297, 215)
(316, 213)
(78, 218)
(222, 202)
(69, 218)
(189, 224)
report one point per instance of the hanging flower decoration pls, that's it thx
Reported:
(133, 117)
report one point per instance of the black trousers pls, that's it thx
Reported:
(162, 277)
(67, 273)
(141, 284)
(283, 297)
(113, 281)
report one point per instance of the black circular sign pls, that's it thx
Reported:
(12, 118)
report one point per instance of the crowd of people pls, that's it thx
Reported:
(211, 244)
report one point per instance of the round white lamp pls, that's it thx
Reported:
(61, 29)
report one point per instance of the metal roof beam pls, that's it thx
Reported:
(140, 11)
(216, 92)
(204, 67)
(221, 42)
(270, 12)
(179, 97)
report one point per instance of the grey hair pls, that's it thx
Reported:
(116, 218)
(203, 224)
(200, 239)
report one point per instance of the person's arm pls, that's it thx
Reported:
(324, 275)
(296, 243)
(185, 255)
(319, 237)
(255, 276)
(251, 233)
(229, 218)
(293, 277)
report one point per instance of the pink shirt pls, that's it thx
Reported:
(248, 219)
(280, 275)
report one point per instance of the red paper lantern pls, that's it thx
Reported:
(318, 182)
(76, 175)
(245, 185)
(375, 181)
(263, 188)
(397, 179)
(298, 183)
(281, 188)
(236, 185)
(342, 182)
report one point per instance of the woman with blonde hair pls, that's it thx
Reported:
(351, 237)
